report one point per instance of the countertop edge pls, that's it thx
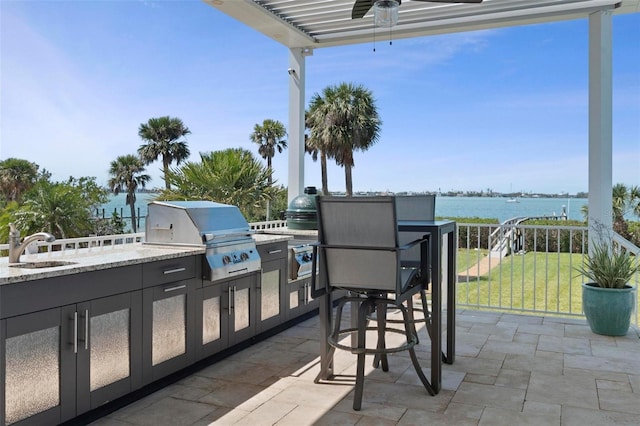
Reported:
(96, 259)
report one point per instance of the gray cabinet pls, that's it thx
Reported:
(299, 300)
(64, 361)
(225, 314)
(168, 316)
(270, 306)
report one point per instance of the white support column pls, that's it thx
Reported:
(296, 121)
(600, 119)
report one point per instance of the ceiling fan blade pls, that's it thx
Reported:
(360, 8)
(451, 1)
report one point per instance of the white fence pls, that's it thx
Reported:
(525, 268)
(512, 267)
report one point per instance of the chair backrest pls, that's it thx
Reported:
(358, 241)
(413, 207)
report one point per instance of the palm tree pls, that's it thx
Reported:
(625, 200)
(16, 177)
(61, 208)
(232, 176)
(269, 136)
(126, 173)
(342, 120)
(162, 135)
(314, 148)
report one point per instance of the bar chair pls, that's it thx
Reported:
(358, 251)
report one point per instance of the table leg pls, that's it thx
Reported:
(436, 312)
(326, 358)
(451, 298)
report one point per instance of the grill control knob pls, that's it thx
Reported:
(226, 260)
(244, 256)
(307, 257)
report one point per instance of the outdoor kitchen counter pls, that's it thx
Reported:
(99, 258)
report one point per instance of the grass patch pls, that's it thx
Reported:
(530, 282)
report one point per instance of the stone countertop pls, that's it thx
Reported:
(92, 259)
(98, 258)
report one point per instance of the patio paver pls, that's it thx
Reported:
(509, 370)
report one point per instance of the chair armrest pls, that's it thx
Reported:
(425, 238)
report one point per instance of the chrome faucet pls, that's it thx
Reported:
(16, 248)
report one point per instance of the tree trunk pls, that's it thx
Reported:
(323, 169)
(165, 169)
(132, 205)
(270, 181)
(348, 179)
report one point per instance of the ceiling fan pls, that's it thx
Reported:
(361, 7)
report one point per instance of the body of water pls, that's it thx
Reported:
(502, 209)
(483, 207)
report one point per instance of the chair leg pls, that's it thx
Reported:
(381, 318)
(412, 353)
(412, 317)
(363, 311)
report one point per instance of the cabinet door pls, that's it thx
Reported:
(110, 349)
(212, 317)
(299, 299)
(295, 298)
(242, 301)
(270, 305)
(168, 316)
(39, 367)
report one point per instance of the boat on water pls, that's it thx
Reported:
(513, 200)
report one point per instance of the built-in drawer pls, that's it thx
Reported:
(169, 270)
(272, 251)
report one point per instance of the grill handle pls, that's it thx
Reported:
(238, 270)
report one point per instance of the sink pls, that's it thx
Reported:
(42, 264)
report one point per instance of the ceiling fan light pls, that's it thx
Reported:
(385, 13)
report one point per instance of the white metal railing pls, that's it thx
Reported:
(537, 274)
(72, 245)
(532, 272)
(272, 224)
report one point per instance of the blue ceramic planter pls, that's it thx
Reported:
(608, 310)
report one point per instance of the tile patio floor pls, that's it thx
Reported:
(509, 370)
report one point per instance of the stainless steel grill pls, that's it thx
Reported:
(300, 261)
(220, 228)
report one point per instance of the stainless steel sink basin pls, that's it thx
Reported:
(42, 264)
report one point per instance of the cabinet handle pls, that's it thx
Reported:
(178, 287)
(173, 271)
(86, 329)
(229, 296)
(234, 297)
(75, 332)
(275, 251)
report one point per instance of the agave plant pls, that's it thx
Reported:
(609, 266)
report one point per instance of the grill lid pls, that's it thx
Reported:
(194, 222)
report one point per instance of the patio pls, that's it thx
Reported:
(509, 369)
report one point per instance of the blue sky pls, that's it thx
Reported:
(500, 109)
